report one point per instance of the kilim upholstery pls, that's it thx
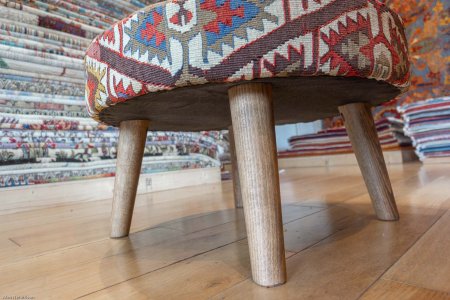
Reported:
(173, 62)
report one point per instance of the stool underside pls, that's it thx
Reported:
(206, 107)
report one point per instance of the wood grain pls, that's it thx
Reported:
(366, 145)
(81, 270)
(428, 263)
(190, 243)
(235, 170)
(171, 283)
(392, 290)
(254, 133)
(89, 221)
(132, 137)
(98, 265)
(344, 264)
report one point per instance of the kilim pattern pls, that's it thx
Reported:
(427, 27)
(46, 134)
(190, 42)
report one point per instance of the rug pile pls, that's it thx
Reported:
(46, 134)
(336, 141)
(428, 125)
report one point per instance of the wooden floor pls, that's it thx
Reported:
(190, 243)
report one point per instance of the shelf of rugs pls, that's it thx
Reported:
(45, 132)
(51, 172)
(424, 128)
(427, 123)
(336, 141)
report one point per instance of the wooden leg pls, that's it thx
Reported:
(132, 137)
(235, 170)
(254, 133)
(363, 135)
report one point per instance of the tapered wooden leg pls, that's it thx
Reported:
(235, 170)
(364, 138)
(132, 137)
(254, 134)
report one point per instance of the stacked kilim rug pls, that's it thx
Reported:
(428, 33)
(428, 124)
(45, 132)
(336, 141)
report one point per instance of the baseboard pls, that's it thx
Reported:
(31, 197)
(391, 157)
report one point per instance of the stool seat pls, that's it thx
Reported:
(173, 62)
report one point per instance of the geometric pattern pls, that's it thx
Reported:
(175, 44)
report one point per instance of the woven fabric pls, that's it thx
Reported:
(31, 174)
(181, 43)
(427, 30)
(336, 140)
(428, 125)
(46, 134)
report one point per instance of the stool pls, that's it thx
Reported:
(196, 65)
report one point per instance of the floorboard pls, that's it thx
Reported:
(428, 263)
(392, 290)
(191, 244)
